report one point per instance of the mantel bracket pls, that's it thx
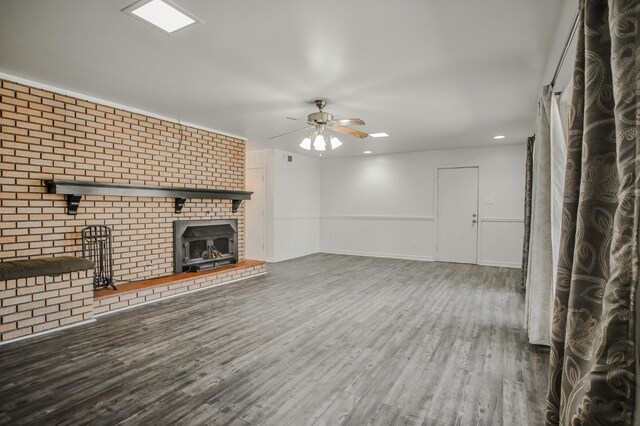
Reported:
(180, 204)
(73, 202)
(235, 205)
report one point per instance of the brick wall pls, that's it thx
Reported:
(32, 305)
(46, 135)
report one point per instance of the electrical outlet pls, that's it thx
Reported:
(150, 265)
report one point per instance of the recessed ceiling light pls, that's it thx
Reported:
(367, 152)
(378, 135)
(499, 137)
(161, 14)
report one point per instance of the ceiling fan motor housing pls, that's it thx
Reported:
(319, 118)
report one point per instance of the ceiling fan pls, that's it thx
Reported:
(321, 121)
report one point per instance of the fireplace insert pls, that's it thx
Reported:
(199, 245)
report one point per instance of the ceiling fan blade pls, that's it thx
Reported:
(295, 119)
(293, 131)
(350, 132)
(349, 122)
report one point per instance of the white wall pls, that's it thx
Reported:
(384, 205)
(293, 203)
(263, 159)
(296, 206)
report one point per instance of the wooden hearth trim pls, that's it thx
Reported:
(170, 279)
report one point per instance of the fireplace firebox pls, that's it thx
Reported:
(199, 245)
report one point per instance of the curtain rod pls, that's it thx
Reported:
(567, 44)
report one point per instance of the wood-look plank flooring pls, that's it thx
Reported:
(320, 340)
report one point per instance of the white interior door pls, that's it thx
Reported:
(457, 235)
(255, 221)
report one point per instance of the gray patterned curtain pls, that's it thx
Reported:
(593, 348)
(527, 208)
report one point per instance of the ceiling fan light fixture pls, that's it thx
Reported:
(335, 142)
(319, 144)
(323, 121)
(306, 144)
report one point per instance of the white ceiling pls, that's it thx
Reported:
(431, 73)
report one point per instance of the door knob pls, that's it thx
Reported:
(474, 221)
(474, 215)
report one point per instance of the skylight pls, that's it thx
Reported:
(161, 14)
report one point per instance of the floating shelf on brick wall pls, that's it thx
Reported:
(74, 190)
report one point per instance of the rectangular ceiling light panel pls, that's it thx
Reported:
(162, 15)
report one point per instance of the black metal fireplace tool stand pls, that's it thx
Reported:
(96, 246)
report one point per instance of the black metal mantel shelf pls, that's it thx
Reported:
(74, 190)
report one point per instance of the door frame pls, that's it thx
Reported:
(436, 172)
(264, 209)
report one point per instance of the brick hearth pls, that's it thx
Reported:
(106, 300)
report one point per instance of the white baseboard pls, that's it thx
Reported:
(351, 253)
(51, 330)
(500, 264)
(388, 256)
(125, 308)
(292, 256)
(383, 255)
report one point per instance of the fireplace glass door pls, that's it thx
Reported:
(198, 250)
(222, 245)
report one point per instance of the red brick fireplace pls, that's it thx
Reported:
(46, 135)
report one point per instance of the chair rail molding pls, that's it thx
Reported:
(502, 219)
(295, 217)
(376, 217)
